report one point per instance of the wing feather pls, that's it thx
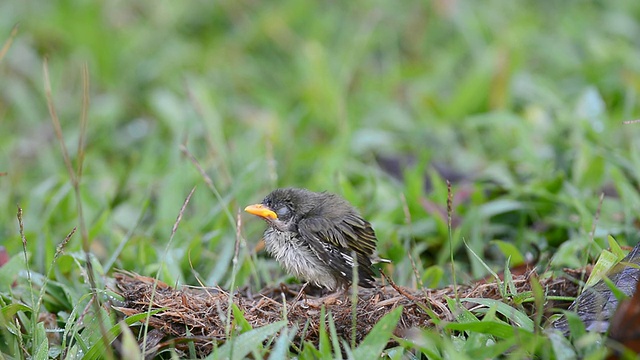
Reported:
(335, 241)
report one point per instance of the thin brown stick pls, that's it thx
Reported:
(399, 289)
(450, 231)
(7, 44)
(407, 217)
(26, 258)
(83, 119)
(56, 122)
(75, 177)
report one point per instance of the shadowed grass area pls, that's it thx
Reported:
(519, 103)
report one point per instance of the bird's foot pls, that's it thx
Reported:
(319, 302)
(334, 298)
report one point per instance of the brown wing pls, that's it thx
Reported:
(335, 243)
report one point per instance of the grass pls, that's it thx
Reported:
(525, 99)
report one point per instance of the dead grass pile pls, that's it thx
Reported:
(201, 315)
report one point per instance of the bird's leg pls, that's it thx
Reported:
(328, 297)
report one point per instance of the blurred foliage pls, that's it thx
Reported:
(522, 100)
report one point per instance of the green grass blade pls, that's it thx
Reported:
(519, 318)
(335, 339)
(498, 329)
(241, 346)
(239, 318)
(373, 344)
(9, 272)
(40, 343)
(281, 348)
(97, 349)
(324, 345)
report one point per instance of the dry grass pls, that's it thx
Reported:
(199, 314)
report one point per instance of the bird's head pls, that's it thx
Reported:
(283, 207)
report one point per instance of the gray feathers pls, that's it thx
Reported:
(317, 237)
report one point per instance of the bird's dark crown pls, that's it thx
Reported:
(288, 202)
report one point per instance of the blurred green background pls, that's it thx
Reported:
(522, 103)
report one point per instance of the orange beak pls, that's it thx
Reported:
(262, 211)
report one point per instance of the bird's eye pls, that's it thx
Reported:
(282, 211)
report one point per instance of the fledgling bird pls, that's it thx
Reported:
(314, 235)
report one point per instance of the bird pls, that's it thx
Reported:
(318, 237)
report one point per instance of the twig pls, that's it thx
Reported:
(450, 231)
(399, 289)
(75, 181)
(7, 44)
(56, 123)
(407, 216)
(26, 262)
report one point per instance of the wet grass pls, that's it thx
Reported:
(521, 103)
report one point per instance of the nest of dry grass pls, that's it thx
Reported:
(200, 315)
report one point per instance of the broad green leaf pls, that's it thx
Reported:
(615, 290)
(576, 326)
(501, 206)
(281, 347)
(97, 349)
(427, 342)
(509, 251)
(498, 329)
(539, 299)
(309, 351)
(606, 261)
(10, 270)
(561, 346)
(335, 339)
(239, 318)
(240, 346)
(40, 342)
(432, 276)
(462, 314)
(615, 248)
(11, 309)
(130, 348)
(324, 343)
(495, 351)
(373, 344)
